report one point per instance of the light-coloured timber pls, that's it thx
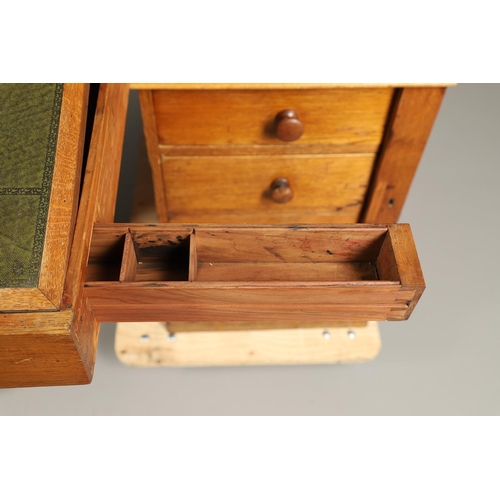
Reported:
(223, 189)
(149, 345)
(24, 299)
(152, 145)
(276, 86)
(351, 120)
(184, 326)
(65, 191)
(408, 129)
(38, 349)
(97, 204)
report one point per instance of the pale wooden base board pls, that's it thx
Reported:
(151, 345)
(221, 326)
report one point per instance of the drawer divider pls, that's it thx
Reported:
(128, 267)
(193, 257)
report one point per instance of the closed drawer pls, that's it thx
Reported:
(334, 120)
(231, 189)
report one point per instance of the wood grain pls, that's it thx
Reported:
(353, 118)
(412, 117)
(225, 189)
(24, 299)
(38, 349)
(193, 257)
(97, 204)
(143, 203)
(65, 191)
(408, 268)
(98, 198)
(217, 326)
(152, 307)
(244, 348)
(279, 271)
(387, 266)
(164, 255)
(85, 333)
(109, 150)
(309, 217)
(152, 144)
(288, 149)
(222, 301)
(42, 348)
(276, 86)
(108, 241)
(129, 260)
(300, 244)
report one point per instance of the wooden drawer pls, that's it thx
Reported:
(214, 120)
(236, 189)
(239, 273)
(339, 120)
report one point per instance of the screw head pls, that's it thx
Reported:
(326, 334)
(144, 337)
(351, 334)
(171, 337)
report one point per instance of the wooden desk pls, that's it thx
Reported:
(48, 335)
(48, 332)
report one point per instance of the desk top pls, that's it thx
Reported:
(29, 122)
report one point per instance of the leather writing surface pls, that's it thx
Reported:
(29, 120)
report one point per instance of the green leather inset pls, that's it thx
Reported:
(29, 121)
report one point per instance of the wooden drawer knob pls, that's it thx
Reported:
(281, 192)
(288, 126)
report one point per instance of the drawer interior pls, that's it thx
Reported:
(175, 253)
(160, 255)
(105, 257)
(140, 255)
(286, 255)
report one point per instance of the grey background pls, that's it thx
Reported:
(443, 361)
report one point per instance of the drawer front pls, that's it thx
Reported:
(345, 120)
(327, 188)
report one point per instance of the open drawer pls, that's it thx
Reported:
(170, 272)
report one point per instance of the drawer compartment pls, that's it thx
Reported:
(284, 255)
(259, 273)
(234, 189)
(347, 120)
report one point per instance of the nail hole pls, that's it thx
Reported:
(171, 337)
(351, 334)
(326, 334)
(391, 203)
(144, 337)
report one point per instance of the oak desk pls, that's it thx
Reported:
(50, 323)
